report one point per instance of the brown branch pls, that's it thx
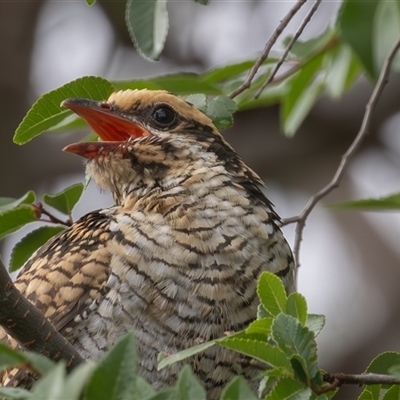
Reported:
(283, 24)
(347, 156)
(334, 380)
(29, 327)
(293, 40)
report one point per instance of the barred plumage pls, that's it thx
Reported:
(176, 260)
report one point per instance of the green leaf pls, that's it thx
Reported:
(10, 357)
(114, 377)
(342, 69)
(52, 385)
(386, 31)
(47, 112)
(30, 243)
(220, 109)
(393, 393)
(356, 27)
(173, 358)
(179, 84)
(147, 23)
(70, 123)
(261, 351)
(302, 93)
(293, 338)
(238, 389)
(203, 2)
(315, 323)
(166, 394)
(12, 220)
(14, 393)
(395, 370)
(261, 326)
(90, 2)
(188, 386)
(382, 363)
(65, 200)
(387, 203)
(143, 390)
(370, 392)
(289, 389)
(8, 203)
(296, 306)
(78, 379)
(272, 293)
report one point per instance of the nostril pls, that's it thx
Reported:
(105, 106)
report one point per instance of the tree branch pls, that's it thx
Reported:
(29, 327)
(293, 40)
(347, 156)
(283, 24)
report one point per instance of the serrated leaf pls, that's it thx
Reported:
(238, 389)
(289, 389)
(188, 387)
(315, 323)
(147, 23)
(382, 364)
(12, 220)
(293, 338)
(47, 112)
(393, 393)
(271, 293)
(355, 22)
(11, 393)
(387, 203)
(65, 200)
(8, 203)
(172, 359)
(30, 243)
(113, 379)
(260, 326)
(259, 350)
(221, 109)
(143, 390)
(296, 306)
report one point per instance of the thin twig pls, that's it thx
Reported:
(40, 210)
(334, 380)
(293, 40)
(334, 183)
(283, 24)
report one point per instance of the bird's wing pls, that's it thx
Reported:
(67, 274)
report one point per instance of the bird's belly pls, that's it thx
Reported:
(175, 291)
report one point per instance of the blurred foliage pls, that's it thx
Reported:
(282, 339)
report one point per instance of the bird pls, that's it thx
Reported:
(176, 258)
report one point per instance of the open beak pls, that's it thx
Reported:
(92, 150)
(104, 120)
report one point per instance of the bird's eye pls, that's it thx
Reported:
(164, 116)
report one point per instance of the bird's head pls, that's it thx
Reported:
(149, 137)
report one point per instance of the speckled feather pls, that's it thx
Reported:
(176, 260)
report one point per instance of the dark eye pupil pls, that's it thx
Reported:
(164, 116)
